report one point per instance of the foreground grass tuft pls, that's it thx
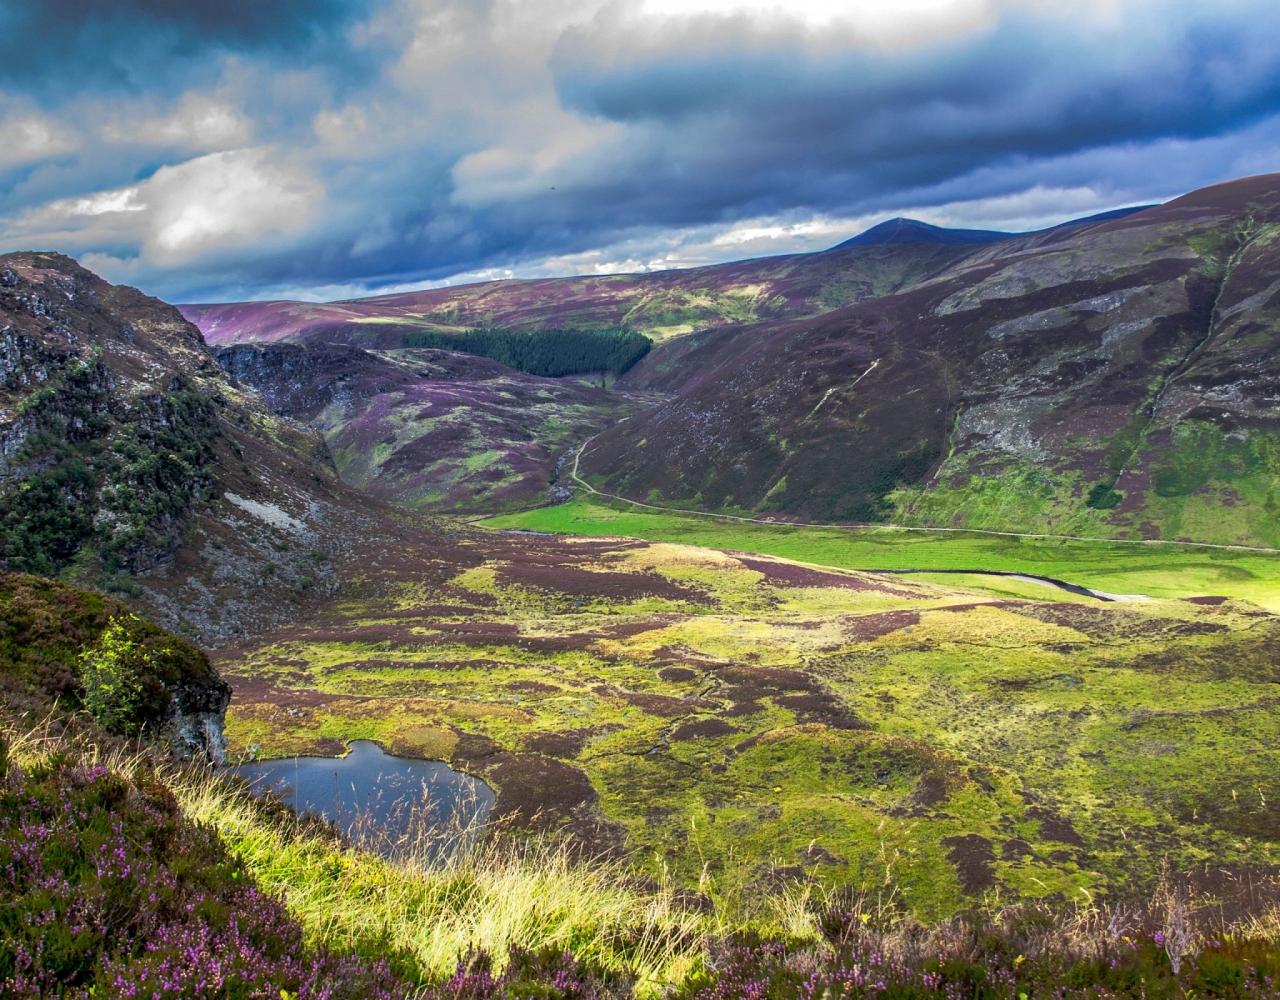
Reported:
(493, 899)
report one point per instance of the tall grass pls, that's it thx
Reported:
(434, 910)
(429, 910)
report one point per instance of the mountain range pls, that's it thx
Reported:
(1114, 376)
(722, 706)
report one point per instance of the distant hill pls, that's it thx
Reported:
(1119, 376)
(902, 232)
(429, 428)
(905, 232)
(131, 461)
(659, 304)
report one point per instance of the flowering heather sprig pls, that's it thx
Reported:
(978, 958)
(109, 892)
(550, 975)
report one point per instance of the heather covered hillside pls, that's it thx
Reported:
(660, 305)
(433, 429)
(1110, 377)
(640, 500)
(1116, 379)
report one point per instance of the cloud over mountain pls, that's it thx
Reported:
(233, 149)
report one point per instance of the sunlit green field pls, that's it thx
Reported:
(1166, 571)
(736, 717)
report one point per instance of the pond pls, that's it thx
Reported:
(393, 805)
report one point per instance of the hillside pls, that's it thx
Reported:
(659, 304)
(129, 460)
(1111, 379)
(429, 428)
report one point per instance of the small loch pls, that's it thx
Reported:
(393, 805)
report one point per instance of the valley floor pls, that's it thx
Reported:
(736, 721)
(1171, 570)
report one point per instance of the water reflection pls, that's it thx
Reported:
(393, 805)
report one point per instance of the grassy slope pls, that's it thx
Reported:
(1159, 571)
(193, 899)
(216, 866)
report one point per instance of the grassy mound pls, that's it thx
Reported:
(74, 649)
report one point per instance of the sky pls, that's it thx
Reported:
(217, 150)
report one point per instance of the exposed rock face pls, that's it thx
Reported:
(196, 733)
(121, 440)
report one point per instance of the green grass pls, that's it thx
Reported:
(503, 902)
(1165, 571)
(852, 727)
(493, 898)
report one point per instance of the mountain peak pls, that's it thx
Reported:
(901, 231)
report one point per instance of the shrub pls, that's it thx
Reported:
(112, 673)
(1104, 496)
(45, 518)
(1015, 954)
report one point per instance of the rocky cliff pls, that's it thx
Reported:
(130, 461)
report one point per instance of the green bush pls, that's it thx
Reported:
(111, 677)
(1104, 496)
(45, 519)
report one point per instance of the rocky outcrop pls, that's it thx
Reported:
(121, 438)
(194, 728)
(48, 633)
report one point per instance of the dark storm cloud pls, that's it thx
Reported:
(289, 145)
(835, 128)
(53, 45)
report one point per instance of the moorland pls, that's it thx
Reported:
(902, 619)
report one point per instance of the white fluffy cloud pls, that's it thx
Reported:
(29, 137)
(200, 210)
(197, 122)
